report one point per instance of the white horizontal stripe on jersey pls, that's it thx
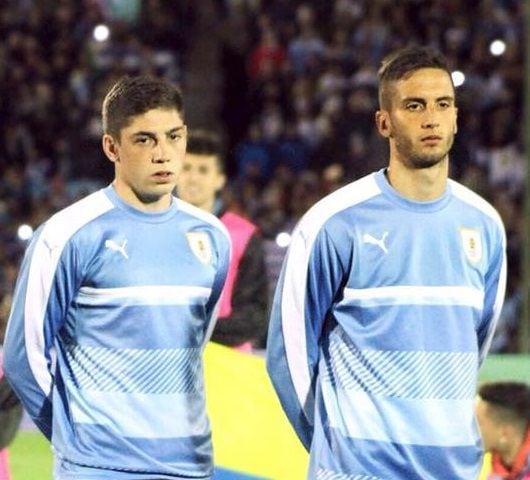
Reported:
(415, 295)
(144, 295)
(141, 415)
(428, 422)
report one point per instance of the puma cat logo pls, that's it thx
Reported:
(367, 238)
(112, 245)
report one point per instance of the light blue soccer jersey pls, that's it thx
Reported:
(111, 312)
(382, 315)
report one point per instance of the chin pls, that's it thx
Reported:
(156, 194)
(420, 163)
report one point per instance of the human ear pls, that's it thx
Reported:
(382, 121)
(110, 147)
(221, 181)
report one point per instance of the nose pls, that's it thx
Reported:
(160, 152)
(430, 119)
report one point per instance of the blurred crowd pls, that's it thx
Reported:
(297, 103)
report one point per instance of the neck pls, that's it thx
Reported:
(207, 206)
(155, 204)
(418, 184)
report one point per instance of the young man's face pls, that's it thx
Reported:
(200, 179)
(148, 158)
(421, 121)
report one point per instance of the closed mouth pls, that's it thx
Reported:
(431, 138)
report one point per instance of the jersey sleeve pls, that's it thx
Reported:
(309, 283)
(44, 289)
(223, 252)
(495, 288)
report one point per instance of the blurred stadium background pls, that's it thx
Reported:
(291, 86)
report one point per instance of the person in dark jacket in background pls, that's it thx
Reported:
(242, 319)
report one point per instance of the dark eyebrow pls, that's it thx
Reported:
(447, 98)
(152, 135)
(143, 134)
(414, 99)
(176, 129)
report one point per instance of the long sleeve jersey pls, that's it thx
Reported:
(111, 311)
(383, 312)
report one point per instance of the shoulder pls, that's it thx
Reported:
(473, 200)
(204, 218)
(64, 224)
(331, 206)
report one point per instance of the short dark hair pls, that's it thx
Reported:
(132, 96)
(205, 142)
(510, 400)
(403, 62)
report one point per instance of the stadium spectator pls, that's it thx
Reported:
(307, 49)
(253, 156)
(267, 58)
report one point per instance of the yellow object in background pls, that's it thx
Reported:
(486, 467)
(251, 434)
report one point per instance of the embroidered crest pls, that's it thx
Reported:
(200, 245)
(472, 243)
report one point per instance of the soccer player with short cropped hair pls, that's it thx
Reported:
(388, 300)
(115, 301)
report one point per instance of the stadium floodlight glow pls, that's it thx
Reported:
(24, 232)
(101, 33)
(283, 239)
(497, 47)
(458, 78)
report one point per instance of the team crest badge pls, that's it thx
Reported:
(472, 243)
(200, 245)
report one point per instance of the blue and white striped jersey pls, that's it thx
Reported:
(111, 312)
(383, 312)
